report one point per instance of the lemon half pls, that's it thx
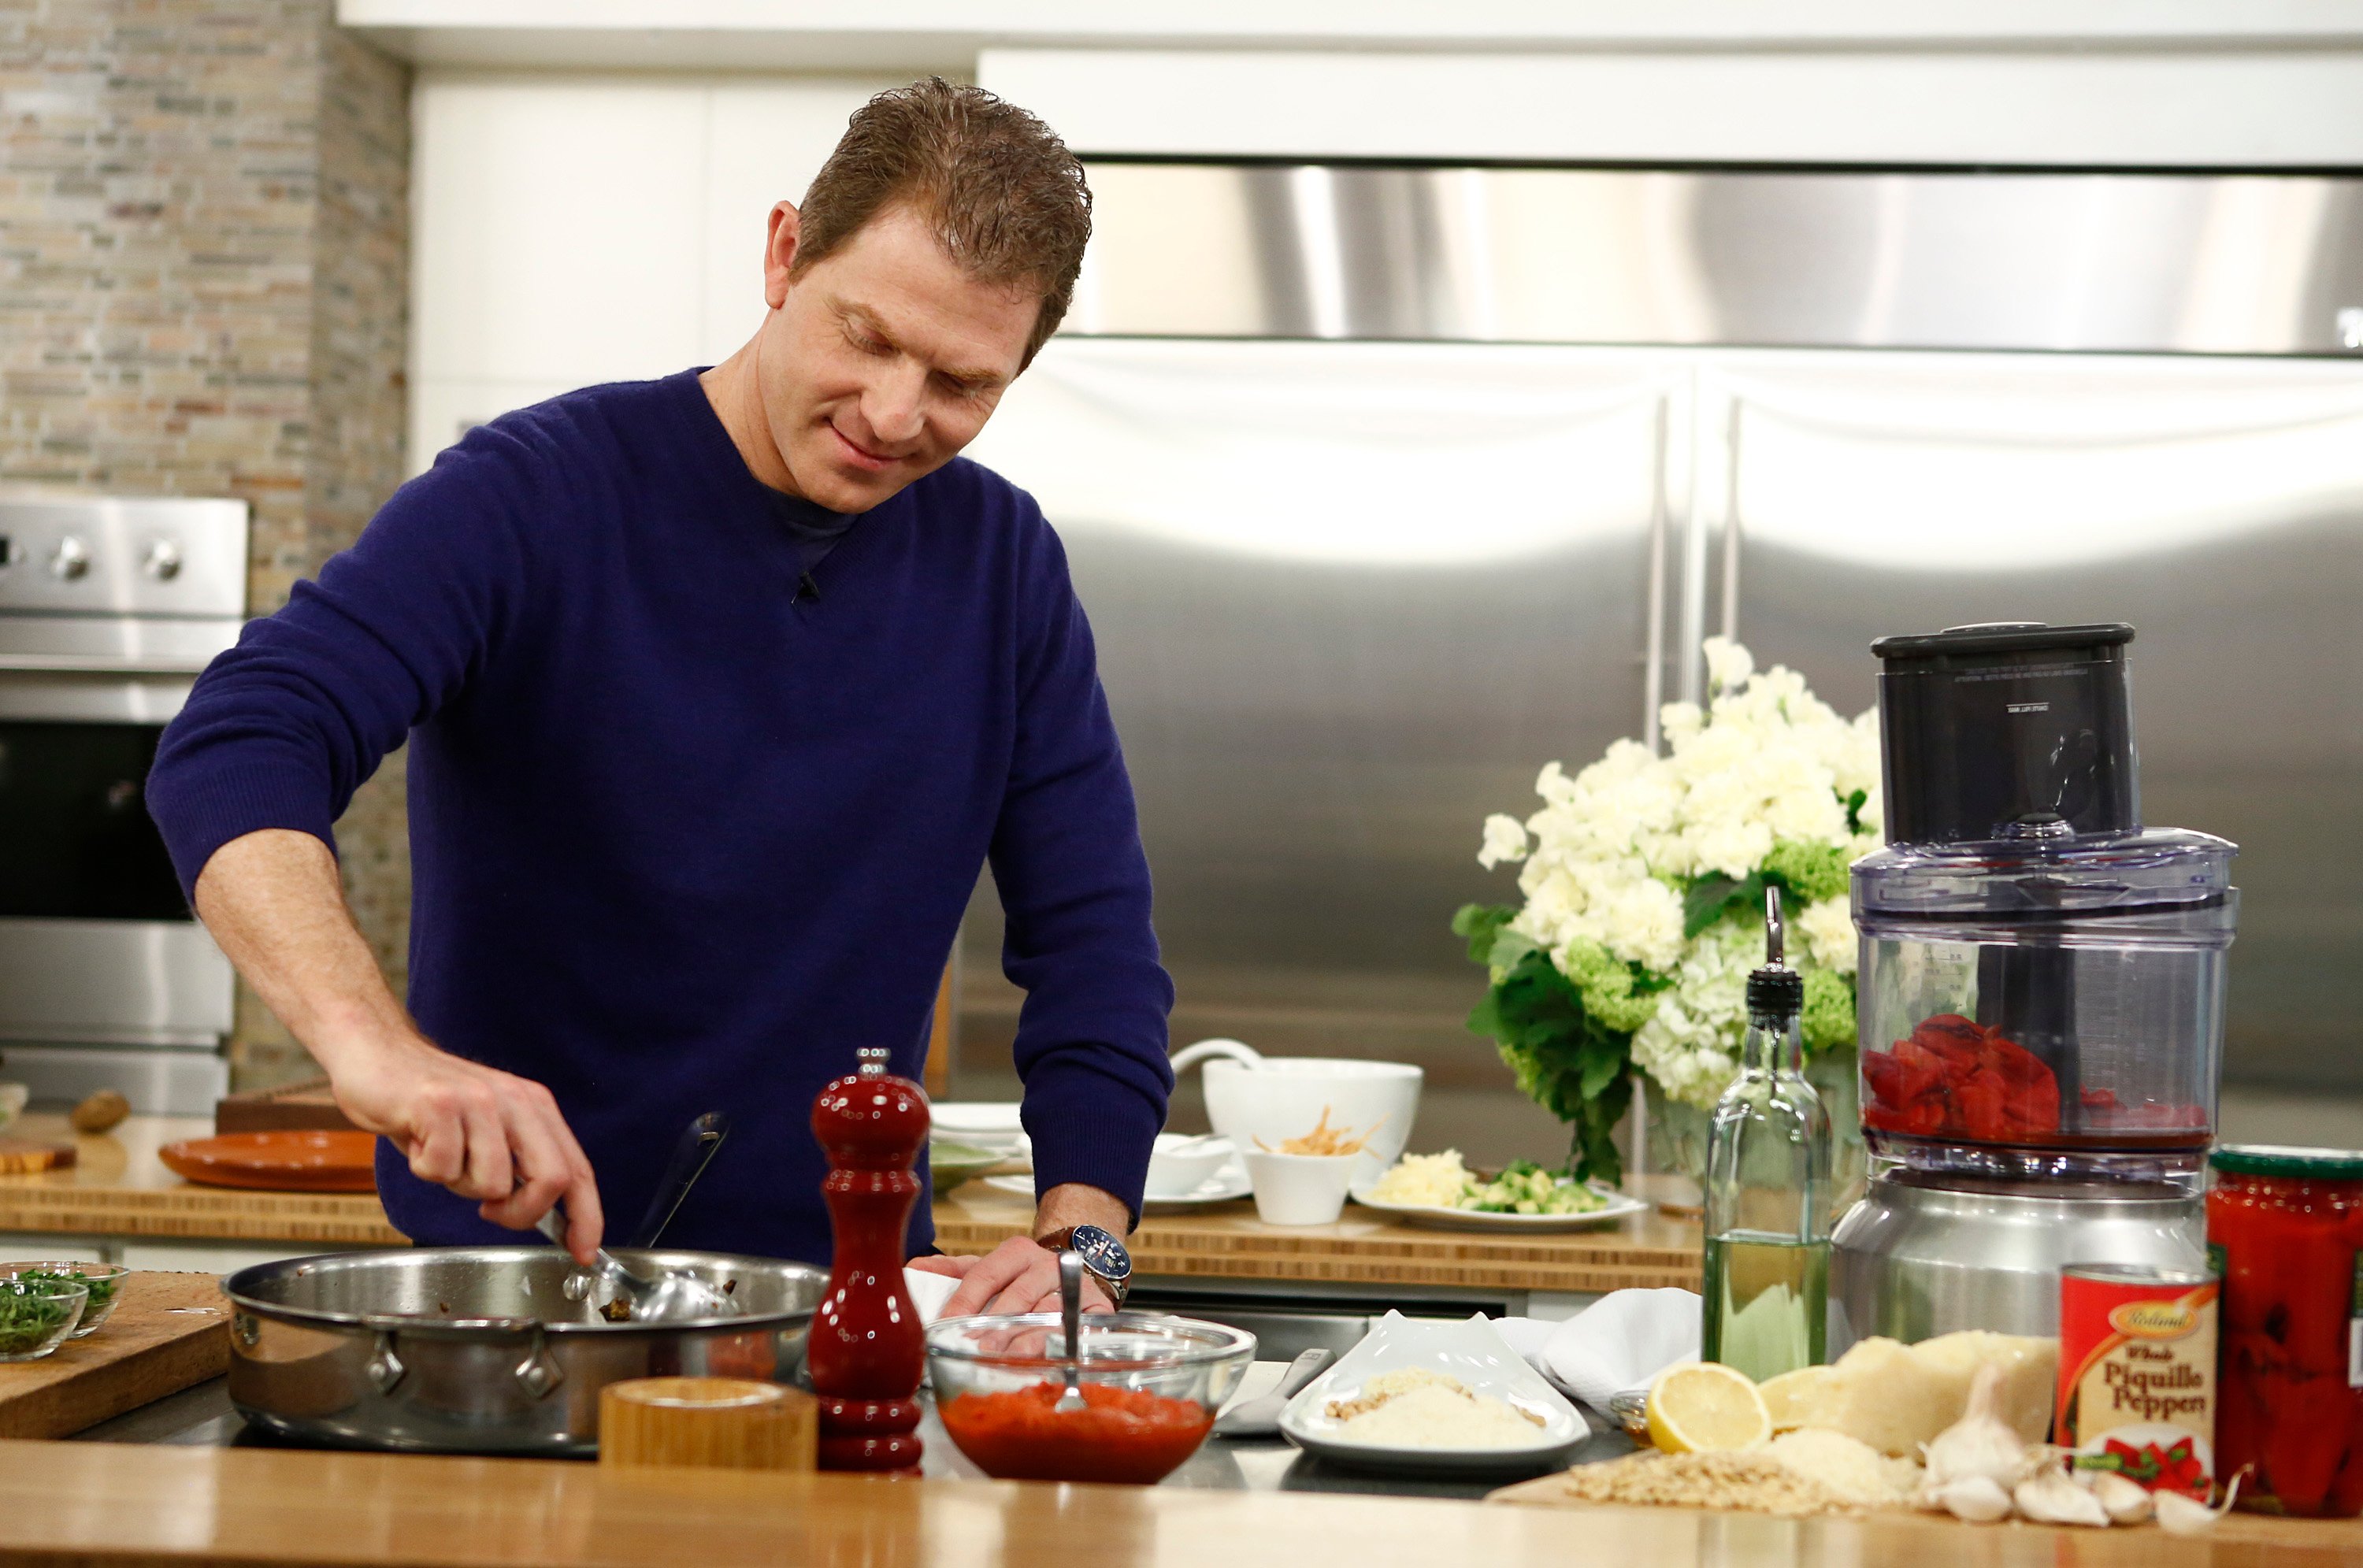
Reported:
(1702, 1406)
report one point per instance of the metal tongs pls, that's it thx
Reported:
(673, 1295)
(1071, 1314)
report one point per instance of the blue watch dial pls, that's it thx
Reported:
(1100, 1252)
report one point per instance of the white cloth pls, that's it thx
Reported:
(929, 1292)
(1620, 1341)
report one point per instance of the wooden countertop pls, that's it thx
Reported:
(1361, 1248)
(119, 1188)
(105, 1503)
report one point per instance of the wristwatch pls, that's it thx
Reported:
(1104, 1257)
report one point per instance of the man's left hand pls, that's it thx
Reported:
(1021, 1275)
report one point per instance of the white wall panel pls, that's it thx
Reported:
(764, 143)
(559, 228)
(571, 230)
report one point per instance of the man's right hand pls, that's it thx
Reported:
(272, 900)
(485, 1134)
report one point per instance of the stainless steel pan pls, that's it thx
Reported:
(477, 1350)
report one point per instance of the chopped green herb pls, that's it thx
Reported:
(102, 1290)
(30, 1315)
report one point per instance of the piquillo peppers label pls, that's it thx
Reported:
(2137, 1375)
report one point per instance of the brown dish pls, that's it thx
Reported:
(278, 1162)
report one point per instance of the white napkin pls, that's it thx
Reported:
(1620, 1341)
(929, 1292)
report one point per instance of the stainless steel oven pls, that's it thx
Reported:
(108, 609)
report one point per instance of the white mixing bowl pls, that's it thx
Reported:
(1250, 1096)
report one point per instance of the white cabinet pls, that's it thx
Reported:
(577, 230)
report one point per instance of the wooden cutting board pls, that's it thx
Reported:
(169, 1332)
(27, 1157)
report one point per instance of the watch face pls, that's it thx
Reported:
(1100, 1252)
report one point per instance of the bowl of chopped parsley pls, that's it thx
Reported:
(105, 1280)
(36, 1315)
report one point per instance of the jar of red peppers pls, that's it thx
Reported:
(2285, 1230)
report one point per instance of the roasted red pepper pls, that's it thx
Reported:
(2286, 1404)
(1957, 1076)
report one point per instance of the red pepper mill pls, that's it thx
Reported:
(868, 1350)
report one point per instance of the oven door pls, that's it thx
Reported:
(96, 944)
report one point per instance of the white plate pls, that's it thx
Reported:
(1471, 1352)
(987, 1124)
(1227, 1186)
(1619, 1205)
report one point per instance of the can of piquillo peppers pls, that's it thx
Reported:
(2137, 1374)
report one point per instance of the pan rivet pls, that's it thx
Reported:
(540, 1372)
(248, 1329)
(385, 1368)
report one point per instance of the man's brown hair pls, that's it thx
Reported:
(1003, 193)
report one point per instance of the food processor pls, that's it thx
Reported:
(2040, 991)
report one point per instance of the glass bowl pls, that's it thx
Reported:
(105, 1282)
(1151, 1384)
(36, 1315)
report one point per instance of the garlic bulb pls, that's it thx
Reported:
(1979, 1499)
(2048, 1496)
(2126, 1502)
(1981, 1443)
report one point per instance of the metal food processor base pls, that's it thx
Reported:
(1915, 1258)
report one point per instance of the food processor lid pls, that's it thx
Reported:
(1990, 637)
(2281, 1160)
(2103, 875)
(2007, 729)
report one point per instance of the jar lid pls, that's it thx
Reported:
(2280, 1159)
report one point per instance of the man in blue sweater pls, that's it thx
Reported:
(719, 690)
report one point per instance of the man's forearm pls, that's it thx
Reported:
(1072, 1203)
(273, 902)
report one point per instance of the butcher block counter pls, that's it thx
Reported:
(105, 1503)
(119, 1188)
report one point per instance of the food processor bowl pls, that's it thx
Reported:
(2045, 1008)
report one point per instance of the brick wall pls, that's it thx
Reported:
(203, 233)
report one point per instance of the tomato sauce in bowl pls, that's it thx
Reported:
(1120, 1434)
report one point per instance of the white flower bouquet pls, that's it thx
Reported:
(1644, 878)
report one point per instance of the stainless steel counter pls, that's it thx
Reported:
(202, 1415)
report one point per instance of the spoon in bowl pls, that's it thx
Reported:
(1071, 1314)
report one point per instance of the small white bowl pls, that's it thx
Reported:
(1179, 1165)
(1299, 1189)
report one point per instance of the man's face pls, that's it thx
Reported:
(881, 362)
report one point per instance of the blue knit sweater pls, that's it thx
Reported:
(686, 830)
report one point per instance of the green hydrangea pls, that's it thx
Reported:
(1607, 982)
(1827, 1021)
(1812, 871)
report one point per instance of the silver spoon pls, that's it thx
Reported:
(1260, 1417)
(1071, 1313)
(673, 1296)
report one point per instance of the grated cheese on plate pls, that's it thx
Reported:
(1432, 1181)
(1414, 1407)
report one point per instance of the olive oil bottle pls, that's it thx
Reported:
(1767, 1179)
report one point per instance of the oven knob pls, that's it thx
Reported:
(70, 560)
(163, 561)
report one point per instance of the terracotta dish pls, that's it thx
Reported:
(278, 1162)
